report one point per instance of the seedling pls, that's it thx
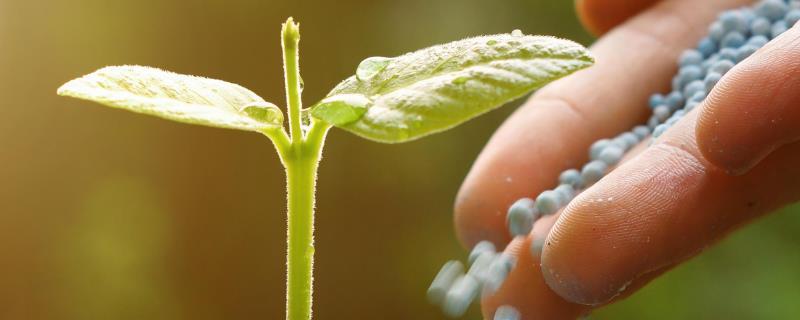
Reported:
(389, 100)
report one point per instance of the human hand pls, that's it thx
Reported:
(730, 160)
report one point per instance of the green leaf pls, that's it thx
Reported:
(177, 97)
(437, 88)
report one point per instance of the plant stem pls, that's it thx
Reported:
(301, 161)
(300, 156)
(300, 186)
(290, 39)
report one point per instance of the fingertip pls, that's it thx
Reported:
(575, 263)
(623, 227)
(751, 111)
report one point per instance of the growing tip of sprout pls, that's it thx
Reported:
(291, 29)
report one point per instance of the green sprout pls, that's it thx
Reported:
(388, 100)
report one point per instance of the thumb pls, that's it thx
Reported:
(755, 109)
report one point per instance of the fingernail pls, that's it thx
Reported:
(736, 159)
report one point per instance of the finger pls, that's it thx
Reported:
(755, 109)
(600, 16)
(554, 129)
(655, 211)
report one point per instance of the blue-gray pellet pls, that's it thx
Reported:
(691, 105)
(711, 80)
(629, 139)
(794, 4)
(656, 100)
(694, 87)
(506, 313)
(688, 74)
(707, 47)
(506, 260)
(716, 31)
(565, 192)
(758, 41)
(727, 54)
(611, 155)
(548, 201)
(497, 273)
(481, 247)
(672, 120)
(652, 123)
(521, 216)
(699, 96)
(772, 9)
(460, 296)
(661, 113)
(745, 51)
(748, 15)
(641, 131)
(778, 28)
(660, 130)
(733, 21)
(571, 177)
(597, 147)
(674, 99)
(444, 280)
(733, 40)
(620, 142)
(721, 67)
(675, 118)
(593, 172)
(792, 17)
(761, 27)
(690, 57)
(481, 265)
(709, 62)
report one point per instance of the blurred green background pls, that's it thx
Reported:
(109, 215)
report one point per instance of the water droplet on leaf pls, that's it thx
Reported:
(460, 80)
(371, 66)
(264, 112)
(341, 109)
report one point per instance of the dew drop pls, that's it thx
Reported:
(302, 83)
(263, 112)
(517, 33)
(460, 80)
(341, 109)
(371, 66)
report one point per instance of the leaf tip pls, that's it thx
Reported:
(68, 89)
(62, 90)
